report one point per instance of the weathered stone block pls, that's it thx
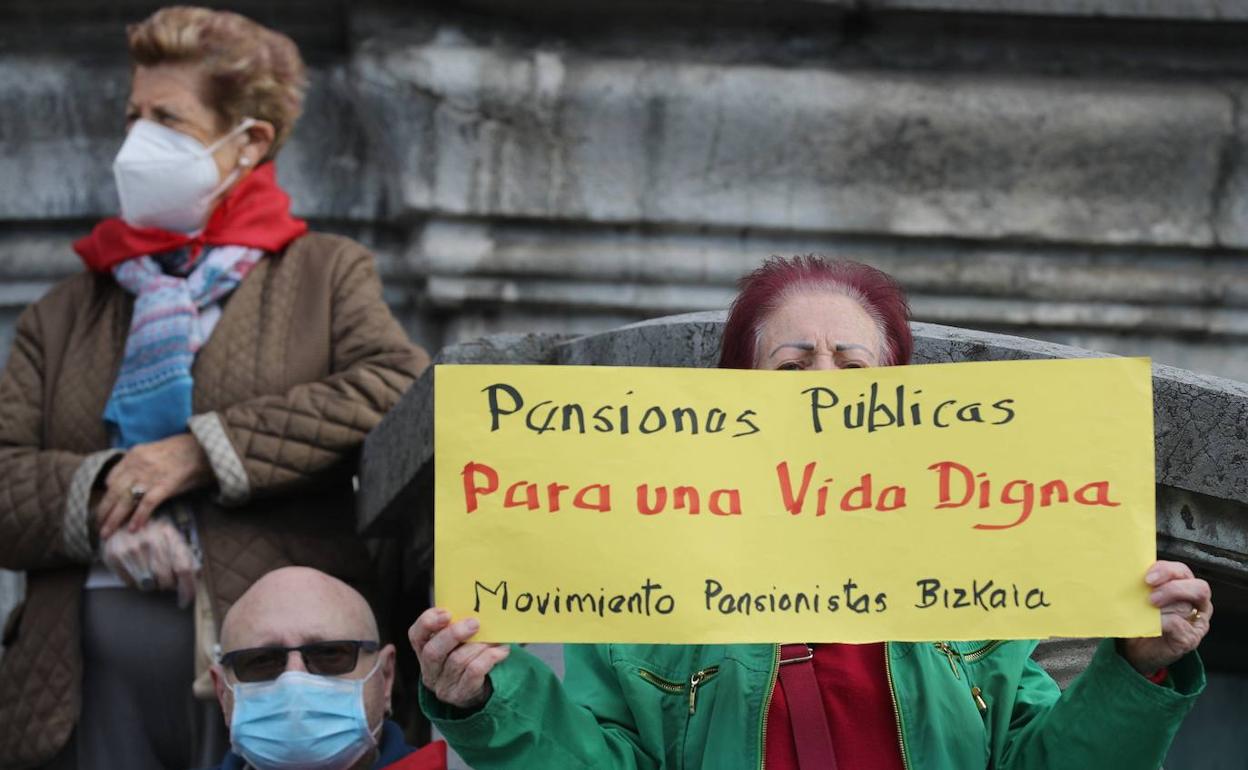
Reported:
(488, 132)
(1201, 424)
(1232, 196)
(691, 339)
(396, 459)
(1204, 531)
(1181, 277)
(1202, 10)
(1190, 10)
(329, 166)
(43, 254)
(62, 121)
(496, 275)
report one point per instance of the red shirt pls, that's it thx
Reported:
(859, 707)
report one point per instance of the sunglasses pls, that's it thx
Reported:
(262, 664)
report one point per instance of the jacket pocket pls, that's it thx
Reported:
(687, 706)
(696, 680)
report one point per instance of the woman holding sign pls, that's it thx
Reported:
(903, 706)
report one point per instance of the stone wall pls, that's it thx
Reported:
(1068, 170)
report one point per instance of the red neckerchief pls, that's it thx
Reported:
(256, 214)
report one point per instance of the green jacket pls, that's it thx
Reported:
(631, 706)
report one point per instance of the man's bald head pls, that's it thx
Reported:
(296, 605)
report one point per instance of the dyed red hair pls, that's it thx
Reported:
(765, 289)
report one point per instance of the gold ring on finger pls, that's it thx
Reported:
(1193, 616)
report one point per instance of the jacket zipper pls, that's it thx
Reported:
(666, 685)
(977, 694)
(698, 679)
(892, 691)
(950, 653)
(771, 688)
(974, 655)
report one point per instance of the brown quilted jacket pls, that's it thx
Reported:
(304, 361)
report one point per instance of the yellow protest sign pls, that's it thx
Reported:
(957, 501)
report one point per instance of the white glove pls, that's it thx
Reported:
(155, 557)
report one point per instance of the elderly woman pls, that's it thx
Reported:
(941, 706)
(181, 417)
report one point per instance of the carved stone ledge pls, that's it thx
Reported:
(396, 464)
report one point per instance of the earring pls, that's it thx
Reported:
(244, 161)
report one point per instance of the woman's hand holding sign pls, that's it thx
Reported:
(456, 671)
(1186, 605)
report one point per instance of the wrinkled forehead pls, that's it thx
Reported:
(178, 84)
(820, 317)
(278, 618)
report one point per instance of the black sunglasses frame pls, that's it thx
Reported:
(228, 659)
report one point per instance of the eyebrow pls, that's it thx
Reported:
(161, 110)
(864, 348)
(807, 346)
(810, 346)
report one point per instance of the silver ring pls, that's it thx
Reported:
(137, 491)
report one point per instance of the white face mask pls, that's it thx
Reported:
(167, 179)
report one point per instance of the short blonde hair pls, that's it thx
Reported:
(249, 70)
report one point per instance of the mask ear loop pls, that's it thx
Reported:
(374, 732)
(243, 125)
(232, 177)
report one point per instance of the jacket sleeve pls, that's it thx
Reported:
(1110, 716)
(44, 493)
(272, 444)
(531, 720)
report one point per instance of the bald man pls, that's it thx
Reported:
(305, 683)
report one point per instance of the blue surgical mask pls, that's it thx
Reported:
(302, 721)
